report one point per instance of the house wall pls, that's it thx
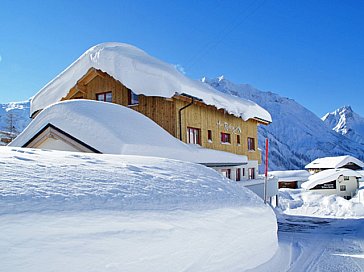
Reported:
(56, 144)
(207, 118)
(164, 111)
(351, 186)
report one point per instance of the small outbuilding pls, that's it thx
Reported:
(341, 182)
(348, 162)
(291, 179)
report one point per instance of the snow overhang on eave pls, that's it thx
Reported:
(224, 164)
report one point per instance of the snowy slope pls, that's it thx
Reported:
(64, 211)
(297, 136)
(346, 122)
(14, 114)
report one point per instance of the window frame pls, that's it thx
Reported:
(226, 172)
(209, 135)
(251, 173)
(238, 174)
(251, 144)
(222, 138)
(104, 94)
(238, 139)
(198, 138)
(133, 98)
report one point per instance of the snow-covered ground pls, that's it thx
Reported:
(308, 244)
(63, 211)
(307, 203)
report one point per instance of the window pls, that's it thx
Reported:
(106, 97)
(225, 137)
(193, 135)
(251, 172)
(243, 172)
(251, 144)
(238, 174)
(133, 98)
(238, 139)
(209, 135)
(342, 187)
(346, 178)
(226, 173)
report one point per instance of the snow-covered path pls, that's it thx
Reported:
(318, 244)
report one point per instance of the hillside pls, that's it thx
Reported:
(14, 117)
(297, 136)
(346, 122)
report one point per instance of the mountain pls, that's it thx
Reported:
(14, 117)
(296, 135)
(346, 122)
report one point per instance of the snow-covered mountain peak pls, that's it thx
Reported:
(346, 122)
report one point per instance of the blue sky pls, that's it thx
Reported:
(309, 50)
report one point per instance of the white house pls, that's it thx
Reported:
(341, 182)
(325, 163)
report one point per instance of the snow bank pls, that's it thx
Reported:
(93, 212)
(142, 74)
(327, 176)
(97, 124)
(308, 203)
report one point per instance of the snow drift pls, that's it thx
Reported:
(94, 212)
(115, 129)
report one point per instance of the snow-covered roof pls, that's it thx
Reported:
(115, 129)
(327, 176)
(143, 74)
(291, 175)
(333, 162)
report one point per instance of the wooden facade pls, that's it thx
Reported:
(166, 112)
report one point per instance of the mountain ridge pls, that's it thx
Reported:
(297, 136)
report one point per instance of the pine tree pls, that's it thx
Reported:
(10, 122)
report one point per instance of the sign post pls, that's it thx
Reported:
(266, 170)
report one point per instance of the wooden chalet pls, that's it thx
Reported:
(183, 115)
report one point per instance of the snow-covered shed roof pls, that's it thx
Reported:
(114, 129)
(327, 176)
(291, 175)
(333, 162)
(143, 74)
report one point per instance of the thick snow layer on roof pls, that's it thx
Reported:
(327, 176)
(290, 175)
(115, 129)
(143, 74)
(333, 162)
(133, 213)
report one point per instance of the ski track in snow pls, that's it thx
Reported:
(318, 244)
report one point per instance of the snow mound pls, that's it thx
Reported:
(34, 180)
(143, 74)
(96, 124)
(307, 203)
(94, 212)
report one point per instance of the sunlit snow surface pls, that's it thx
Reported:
(63, 211)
